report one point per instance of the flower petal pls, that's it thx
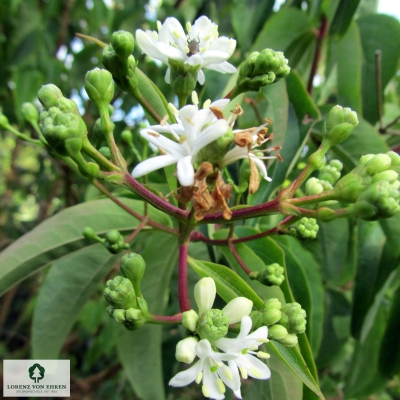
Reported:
(169, 51)
(204, 294)
(148, 45)
(261, 166)
(169, 146)
(200, 77)
(152, 164)
(223, 67)
(210, 387)
(236, 309)
(254, 367)
(211, 133)
(168, 75)
(185, 171)
(186, 377)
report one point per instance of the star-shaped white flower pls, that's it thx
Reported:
(194, 130)
(201, 46)
(244, 347)
(211, 371)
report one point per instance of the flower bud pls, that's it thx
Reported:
(296, 317)
(237, 308)
(110, 310)
(349, 188)
(306, 228)
(331, 173)
(127, 137)
(395, 158)
(30, 113)
(185, 350)
(4, 123)
(277, 332)
(133, 267)
(271, 317)
(272, 275)
(114, 242)
(290, 340)
(123, 44)
(134, 319)
(68, 106)
(99, 86)
(190, 319)
(213, 325)
(379, 163)
(313, 186)
(119, 293)
(339, 124)
(48, 95)
(272, 304)
(388, 175)
(204, 294)
(89, 233)
(119, 315)
(105, 151)
(325, 214)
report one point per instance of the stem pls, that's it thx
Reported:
(92, 152)
(137, 230)
(378, 80)
(238, 259)
(154, 200)
(328, 195)
(163, 319)
(130, 211)
(183, 293)
(317, 53)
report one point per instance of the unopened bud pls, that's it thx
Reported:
(133, 267)
(123, 44)
(273, 274)
(277, 332)
(185, 350)
(213, 325)
(30, 113)
(48, 95)
(99, 86)
(290, 340)
(190, 319)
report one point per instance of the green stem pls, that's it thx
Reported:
(22, 136)
(92, 152)
(315, 198)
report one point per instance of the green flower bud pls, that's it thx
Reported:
(261, 69)
(277, 332)
(126, 136)
(394, 157)
(325, 214)
(349, 188)
(272, 275)
(105, 151)
(4, 124)
(99, 86)
(113, 64)
(339, 124)
(114, 242)
(183, 78)
(271, 317)
(119, 293)
(30, 113)
(213, 325)
(134, 319)
(388, 175)
(133, 267)
(379, 163)
(110, 310)
(331, 173)
(123, 44)
(306, 228)
(316, 160)
(313, 186)
(63, 131)
(67, 106)
(185, 350)
(290, 340)
(89, 233)
(190, 319)
(272, 304)
(119, 315)
(48, 95)
(296, 318)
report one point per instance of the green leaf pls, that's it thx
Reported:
(348, 54)
(282, 29)
(140, 350)
(283, 384)
(61, 235)
(378, 32)
(343, 16)
(64, 292)
(229, 284)
(369, 251)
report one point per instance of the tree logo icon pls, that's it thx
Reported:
(36, 372)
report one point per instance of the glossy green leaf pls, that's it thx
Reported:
(229, 284)
(64, 292)
(291, 21)
(140, 350)
(370, 244)
(378, 32)
(343, 16)
(61, 235)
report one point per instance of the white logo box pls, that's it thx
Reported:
(36, 378)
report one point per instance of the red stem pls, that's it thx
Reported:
(137, 230)
(174, 319)
(183, 294)
(238, 259)
(317, 54)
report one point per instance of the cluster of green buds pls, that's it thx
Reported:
(305, 228)
(271, 275)
(261, 69)
(123, 293)
(373, 186)
(119, 61)
(113, 241)
(284, 322)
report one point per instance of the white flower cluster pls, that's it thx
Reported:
(237, 357)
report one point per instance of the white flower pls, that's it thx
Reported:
(194, 130)
(239, 152)
(200, 47)
(244, 348)
(211, 370)
(204, 295)
(185, 350)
